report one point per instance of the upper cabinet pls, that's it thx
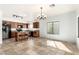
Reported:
(15, 24)
(35, 24)
(26, 25)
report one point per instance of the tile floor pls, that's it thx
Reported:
(37, 46)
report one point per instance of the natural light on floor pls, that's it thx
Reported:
(58, 45)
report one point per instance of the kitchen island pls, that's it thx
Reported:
(24, 34)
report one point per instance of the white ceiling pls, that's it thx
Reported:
(30, 11)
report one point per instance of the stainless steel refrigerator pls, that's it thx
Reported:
(6, 31)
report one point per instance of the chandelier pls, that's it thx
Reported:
(42, 16)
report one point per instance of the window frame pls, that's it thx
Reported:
(52, 28)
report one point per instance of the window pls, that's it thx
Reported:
(53, 27)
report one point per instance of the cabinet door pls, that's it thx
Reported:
(36, 25)
(36, 33)
(13, 25)
(27, 25)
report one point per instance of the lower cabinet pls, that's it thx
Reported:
(36, 33)
(19, 35)
(23, 35)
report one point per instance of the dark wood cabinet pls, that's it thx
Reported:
(13, 34)
(35, 24)
(27, 25)
(36, 33)
(15, 24)
(19, 35)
